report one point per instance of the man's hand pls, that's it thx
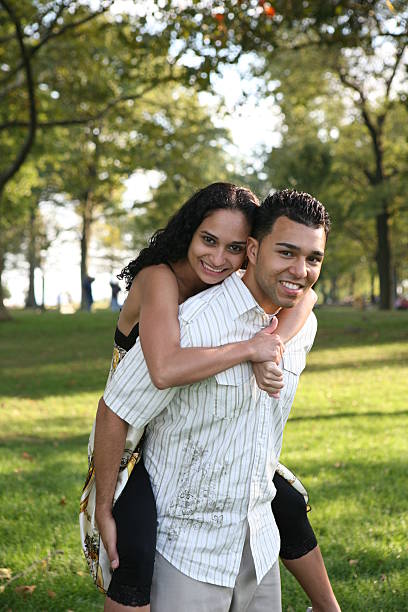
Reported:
(268, 377)
(107, 529)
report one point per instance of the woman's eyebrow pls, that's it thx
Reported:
(216, 237)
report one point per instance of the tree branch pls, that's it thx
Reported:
(90, 118)
(32, 125)
(50, 35)
(398, 58)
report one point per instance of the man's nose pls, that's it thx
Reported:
(299, 268)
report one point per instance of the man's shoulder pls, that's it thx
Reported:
(200, 304)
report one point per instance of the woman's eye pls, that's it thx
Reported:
(236, 248)
(208, 239)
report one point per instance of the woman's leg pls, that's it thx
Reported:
(136, 523)
(299, 550)
(311, 574)
(114, 606)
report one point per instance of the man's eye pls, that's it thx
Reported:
(286, 253)
(314, 260)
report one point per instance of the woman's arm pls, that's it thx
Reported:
(169, 364)
(291, 320)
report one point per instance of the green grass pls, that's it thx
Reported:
(346, 439)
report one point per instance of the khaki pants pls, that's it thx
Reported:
(173, 591)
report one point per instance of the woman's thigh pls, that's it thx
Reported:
(290, 512)
(136, 523)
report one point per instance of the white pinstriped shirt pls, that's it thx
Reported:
(212, 447)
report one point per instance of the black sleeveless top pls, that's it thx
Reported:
(126, 342)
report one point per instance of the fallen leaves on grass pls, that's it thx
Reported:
(63, 501)
(27, 456)
(353, 561)
(29, 589)
(5, 573)
(51, 594)
(25, 589)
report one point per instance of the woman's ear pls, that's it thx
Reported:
(252, 250)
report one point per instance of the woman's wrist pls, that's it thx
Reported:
(249, 350)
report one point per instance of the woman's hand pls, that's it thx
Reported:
(266, 345)
(107, 529)
(268, 377)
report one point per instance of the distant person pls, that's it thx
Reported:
(87, 287)
(202, 245)
(401, 303)
(115, 288)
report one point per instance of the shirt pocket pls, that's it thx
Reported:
(294, 362)
(231, 391)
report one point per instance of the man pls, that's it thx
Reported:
(212, 447)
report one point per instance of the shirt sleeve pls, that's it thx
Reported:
(130, 392)
(310, 331)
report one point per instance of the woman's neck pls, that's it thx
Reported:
(188, 281)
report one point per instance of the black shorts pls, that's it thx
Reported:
(290, 512)
(136, 522)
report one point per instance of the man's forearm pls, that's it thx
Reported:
(110, 437)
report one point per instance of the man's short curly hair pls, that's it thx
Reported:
(296, 205)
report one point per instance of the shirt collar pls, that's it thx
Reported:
(240, 298)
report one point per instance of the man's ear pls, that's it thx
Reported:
(252, 249)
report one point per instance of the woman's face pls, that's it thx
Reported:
(218, 247)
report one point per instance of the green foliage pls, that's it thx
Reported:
(346, 440)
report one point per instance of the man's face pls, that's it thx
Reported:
(285, 264)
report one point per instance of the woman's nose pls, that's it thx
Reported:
(218, 257)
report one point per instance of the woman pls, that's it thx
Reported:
(201, 245)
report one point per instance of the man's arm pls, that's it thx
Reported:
(110, 437)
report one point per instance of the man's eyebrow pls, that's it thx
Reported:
(243, 242)
(293, 247)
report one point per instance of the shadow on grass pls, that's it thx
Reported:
(369, 364)
(62, 382)
(348, 415)
(54, 473)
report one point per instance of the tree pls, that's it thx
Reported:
(52, 58)
(189, 152)
(362, 51)
(357, 99)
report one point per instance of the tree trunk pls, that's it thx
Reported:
(372, 286)
(325, 292)
(32, 260)
(85, 240)
(333, 289)
(352, 283)
(4, 313)
(384, 262)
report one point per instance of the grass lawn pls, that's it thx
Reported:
(347, 440)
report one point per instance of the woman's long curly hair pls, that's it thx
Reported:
(171, 243)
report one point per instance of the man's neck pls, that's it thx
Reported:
(266, 304)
